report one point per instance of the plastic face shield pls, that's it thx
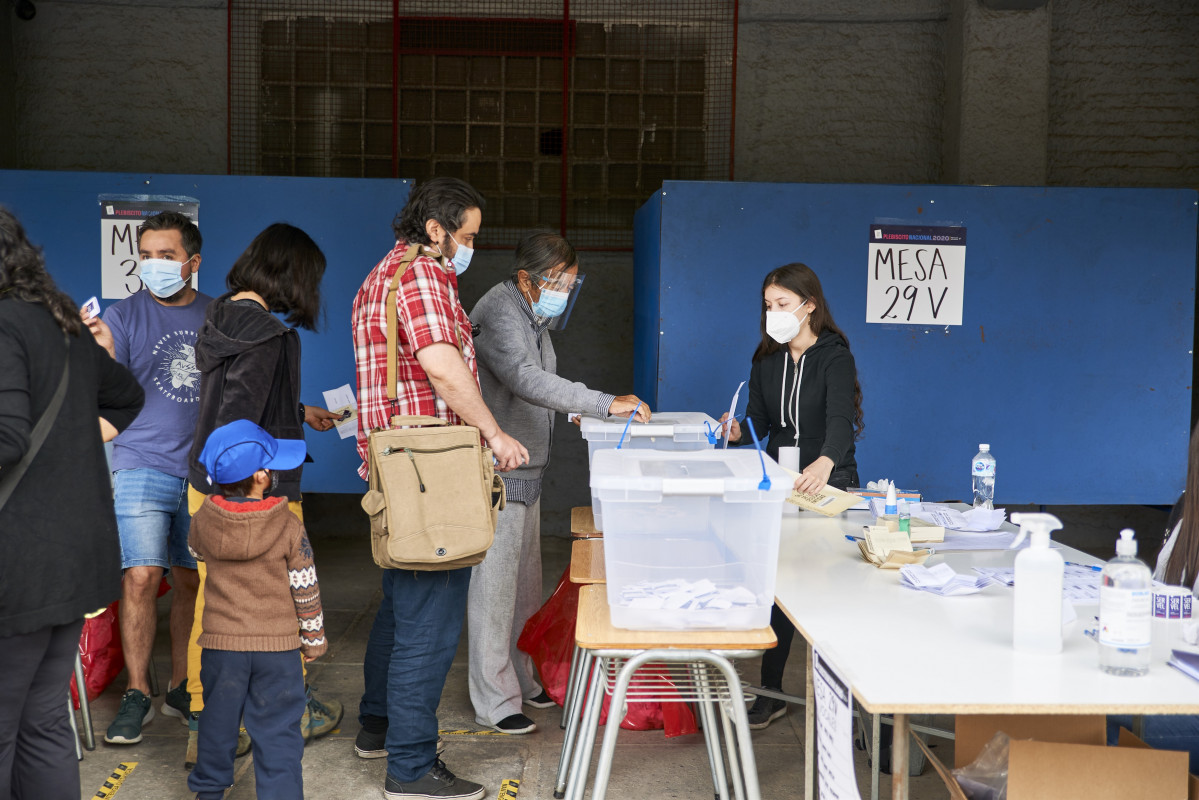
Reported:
(562, 282)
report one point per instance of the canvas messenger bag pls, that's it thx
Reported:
(434, 495)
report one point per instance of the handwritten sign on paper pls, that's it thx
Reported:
(835, 778)
(120, 216)
(916, 275)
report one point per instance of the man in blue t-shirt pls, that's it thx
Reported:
(153, 333)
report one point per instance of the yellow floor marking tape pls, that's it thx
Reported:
(508, 789)
(114, 781)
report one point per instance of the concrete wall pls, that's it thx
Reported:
(136, 86)
(1124, 93)
(840, 91)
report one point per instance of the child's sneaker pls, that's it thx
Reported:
(320, 717)
(136, 710)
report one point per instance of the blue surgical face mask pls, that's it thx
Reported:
(461, 259)
(161, 276)
(551, 303)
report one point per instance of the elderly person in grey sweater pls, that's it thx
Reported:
(519, 381)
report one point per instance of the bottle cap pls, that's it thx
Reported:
(1126, 545)
(984, 448)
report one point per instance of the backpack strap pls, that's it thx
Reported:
(393, 338)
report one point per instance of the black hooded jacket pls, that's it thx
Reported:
(824, 380)
(250, 367)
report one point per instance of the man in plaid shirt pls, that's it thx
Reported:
(416, 629)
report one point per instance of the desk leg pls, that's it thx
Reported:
(875, 749)
(899, 758)
(809, 733)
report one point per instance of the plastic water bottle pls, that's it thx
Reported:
(1125, 611)
(982, 470)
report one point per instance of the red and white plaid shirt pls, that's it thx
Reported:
(428, 312)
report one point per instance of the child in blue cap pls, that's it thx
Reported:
(262, 604)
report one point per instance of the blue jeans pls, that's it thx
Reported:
(408, 655)
(152, 518)
(1162, 731)
(267, 689)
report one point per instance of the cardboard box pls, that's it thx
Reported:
(1068, 761)
(971, 732)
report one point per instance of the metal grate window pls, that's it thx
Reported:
(565, 115)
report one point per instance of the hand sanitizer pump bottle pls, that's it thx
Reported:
(1125, 611)
(1037, 616)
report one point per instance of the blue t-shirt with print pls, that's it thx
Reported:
(158, 345)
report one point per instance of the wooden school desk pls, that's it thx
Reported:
(910, 652)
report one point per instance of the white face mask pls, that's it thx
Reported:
(783, 326)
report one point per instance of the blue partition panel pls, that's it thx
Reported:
(1073, 359)
(350, 220)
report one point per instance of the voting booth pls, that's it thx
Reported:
(86, 224)
(1055, 324)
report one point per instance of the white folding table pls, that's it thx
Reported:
(909, 652)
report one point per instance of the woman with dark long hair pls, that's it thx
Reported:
(803, 392)
(60, 557)
(249, 362)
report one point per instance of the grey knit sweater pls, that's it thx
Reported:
(519, 381)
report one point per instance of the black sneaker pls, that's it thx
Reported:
(371, 744)
(136, 710)
(437, 783)
(178, 702)
(542, 700)
(515, 724)
(764, 711)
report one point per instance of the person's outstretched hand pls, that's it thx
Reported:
(624, 405)
(320, 419)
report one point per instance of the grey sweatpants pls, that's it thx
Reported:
(505, 590)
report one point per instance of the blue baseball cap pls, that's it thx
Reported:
(236, 451)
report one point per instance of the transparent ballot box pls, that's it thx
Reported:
(691, 539)
(666, 430)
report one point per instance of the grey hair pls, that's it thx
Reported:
(541, 251)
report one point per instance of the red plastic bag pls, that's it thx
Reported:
(100, 649)
(549, 638)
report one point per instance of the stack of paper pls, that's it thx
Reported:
(940, 580)
(1185, 662)
(1080, 584)
(972, 519)
(889, 549)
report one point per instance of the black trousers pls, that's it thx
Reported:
(774, 661)
(37, 746)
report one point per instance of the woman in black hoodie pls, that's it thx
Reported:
(803, 392)
(249, 362)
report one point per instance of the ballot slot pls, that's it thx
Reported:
(691, 539)
(667, 431)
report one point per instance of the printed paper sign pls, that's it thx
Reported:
(916, 275)
(835, 777)
(119, 217)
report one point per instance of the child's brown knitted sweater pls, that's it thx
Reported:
(260, 593)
